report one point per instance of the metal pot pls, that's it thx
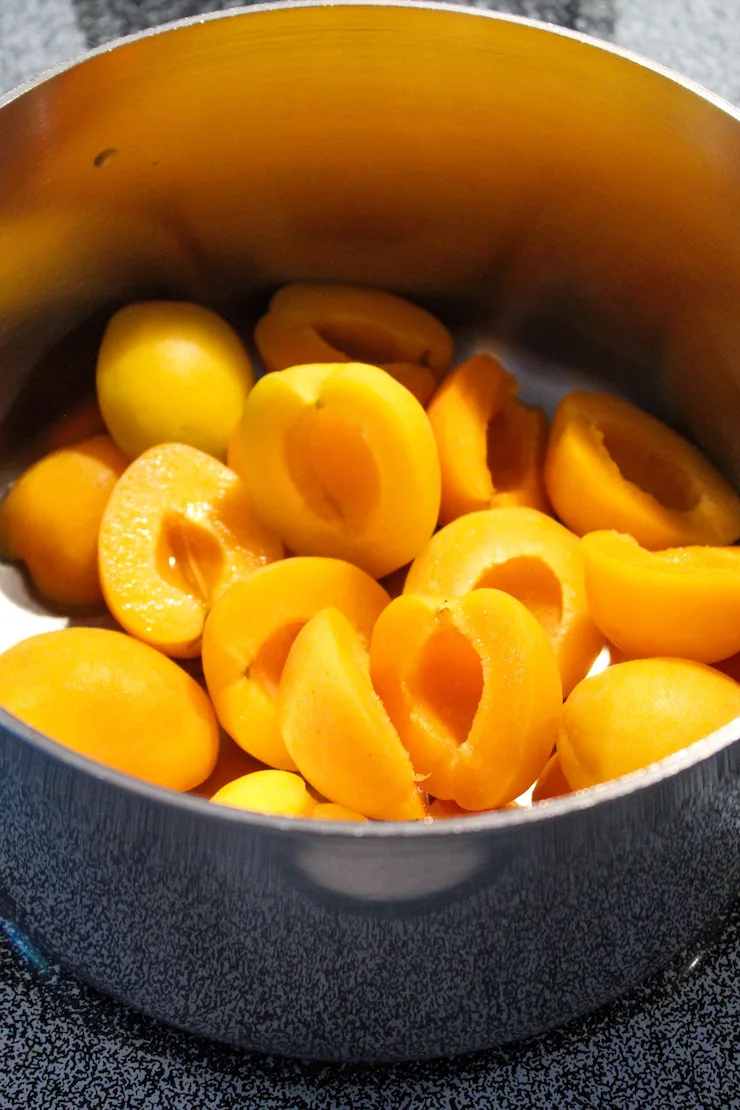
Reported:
(577, 204)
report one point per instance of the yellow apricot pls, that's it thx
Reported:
(473, 689)
(635, 713)
(315, 323)
(683, 602)
(528, 555)
(118, 701)
(552, 783)
(171, 372)
(330, 811)
(178, 531)
(279, 792)
(491, 447)
(341, 461)
(335, 727)
(251, 629)
(51, 517)
(609, 465)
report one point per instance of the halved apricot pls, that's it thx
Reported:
(330, 811)
(315, 323)
(683, 602)
(118, 701)
(341, 461)
(552, 783)
(473, 689)
(636, 713)
(178, 531)
(491, 447)
(278, 792)
(528, 555)
(336, 729)
(251, 629)
(171, 372)
(51, 517)
(609, 465)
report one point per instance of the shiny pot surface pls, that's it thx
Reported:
(541, 191)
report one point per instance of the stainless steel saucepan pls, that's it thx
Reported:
(574, 204)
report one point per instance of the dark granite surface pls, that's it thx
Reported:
(672, 1043)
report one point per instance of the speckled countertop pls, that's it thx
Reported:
(670, 1044)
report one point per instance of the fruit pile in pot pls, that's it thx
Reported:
(362, 587)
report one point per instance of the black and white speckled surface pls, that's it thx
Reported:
(671, 1043)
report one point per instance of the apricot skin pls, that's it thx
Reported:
(51, 518)
(115, 700)
(636, 713)
(280, 793)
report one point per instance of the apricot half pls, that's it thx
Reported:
(473, 689)
(335, 726)
(317, 323)
(491, 447)
(51, 517)
(178, 531)
(118, 701)
(552, 783)
(171, 372)
(341, 461)
(683, 602)
(528, 555)
(251, 629)
(636, 713)
(609, 465)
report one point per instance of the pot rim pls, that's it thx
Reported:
(628, 785)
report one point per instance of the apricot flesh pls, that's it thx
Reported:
(118, 701)
(315, 323)
(636, 713)
(171, 372)
(491, 447)
(611, 466)
(50, 518)
(251, 629)
(341, 461)
(178, 531)
(336, 729)
(473, 689)
(528, 555)
(683, 602)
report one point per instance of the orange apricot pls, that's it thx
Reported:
(445, 811)
(171, 372)
(528, 555)
(51, 517)
(235, 450)
(335, 727)
(552, 783)
(491, 447)
(315, 323)
(636, 713)
(251, 629)
(683, 602)
(609, 465)
(473, 689)
(341, 461)
(82, 421)
(278, 792)
(178, 531)
(330, 811)
(114, 699)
